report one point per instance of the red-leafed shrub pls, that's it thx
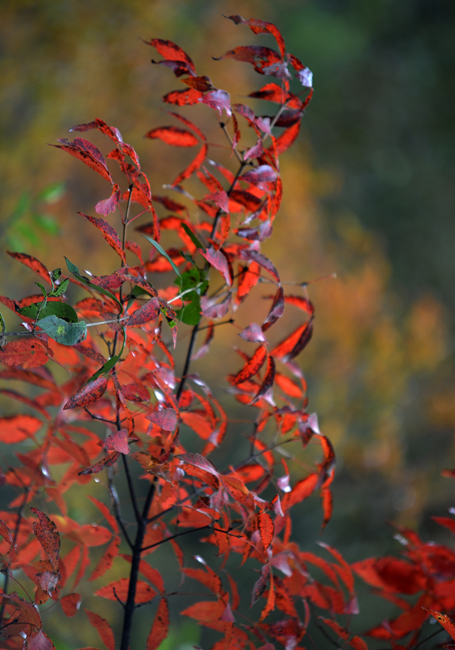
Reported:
(129, 413)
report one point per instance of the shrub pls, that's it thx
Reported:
(126, 412)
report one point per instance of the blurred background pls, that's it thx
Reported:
(369, 196)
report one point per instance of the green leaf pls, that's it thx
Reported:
(193, 237)
(46, 222)
(60, 289)
(21, 208)
(161, 250)
(60, 309)
(43, 290)
(63, 332)
(2, 324)
(72, 268)
(52, 193)
(55, 274)
(110, 363)
(29, 234)
(191, 313)
(194, 278)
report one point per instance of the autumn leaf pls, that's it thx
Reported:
(16, 428)
(47, 534)
(26, 353)
(174, 136)
(103, 628)
(160, 626)
(88, 153)
(70, 604)
(144, 593)
(89, 394)
(108, 232)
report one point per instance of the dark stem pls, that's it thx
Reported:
(131, 489)
(130, 605)
(15, 536)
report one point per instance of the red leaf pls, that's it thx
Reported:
(148, 312)
(260, 585)
(301, 490)
(291, 346)
(136, 249)
(444, 620)
(221, 200)
(262, 260)
(71, 603)
(198, 422)
(25, 353)
(207, 578)
(304, 74)
(186, 97)
(327, 505)
(117, 442)
(217, 310)
(206, 611)
(267, 384)
(287, 138)
(261, 174)
(5, 532)
(219, 262)
(189, 124)
(107, 461)
(33, 264)
(109, 234)
(248, 278)
(276, 310)
(46, 532)
(108, 205)
(89, 394)
(111, 131)
(199, 83)
(135, 392)
(165, 418)
(160, 626)
(446, 522)
(16, 428)
(40, 642)
(219, 100)
(106, 559)
(390, 573)
(88, 153)
(271, 92)
(344, 569)
(288, 386)
(252, 367)
(90, 353)
(102, 507)
(144, 592)
(198, 461)
(174, 136)
(302, 303)
(260, 57)
(192, 167)
(261, 27)
(253, 333)
(266, 529)
(172, 52)
(103, 628)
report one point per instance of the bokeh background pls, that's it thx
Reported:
(369, 195)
